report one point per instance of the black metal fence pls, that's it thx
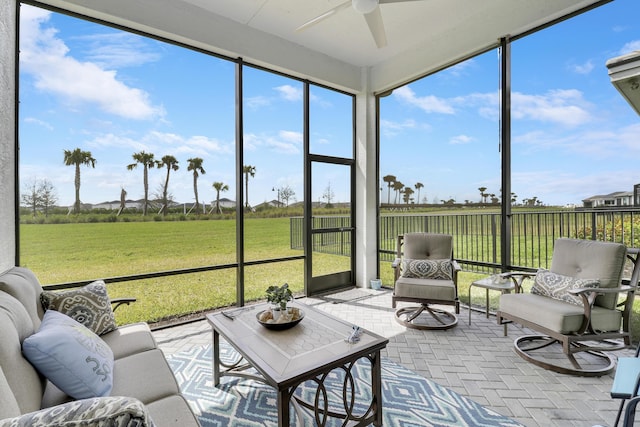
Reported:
(477, 236)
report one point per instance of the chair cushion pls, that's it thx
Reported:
(71, 356)
(427, 268)
(427, 246)
(550, 284)
(586, 259)
(556, 315)
(428, 289)
(89, 305)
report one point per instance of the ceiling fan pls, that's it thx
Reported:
(371, 11)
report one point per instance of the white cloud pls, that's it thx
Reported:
(291, 136)
(118, 49)
(166, 143)
(256, 102)
(561, 106)
(286, 142)
(38, 122)
(461, 68)
(110, 140)
(595, 144)
(460, 139)
(565, 107)
(585, 68)
(290, 93)
(630, 47)
(391, 128)
(429, 103)
(47, 59)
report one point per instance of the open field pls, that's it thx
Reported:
(86, 251)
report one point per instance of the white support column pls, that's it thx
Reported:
(8, 221)
(366, 184)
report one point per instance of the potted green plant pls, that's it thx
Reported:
(279, 296)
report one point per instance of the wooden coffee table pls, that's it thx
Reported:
(308, 351)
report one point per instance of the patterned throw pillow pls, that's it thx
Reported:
(89, 305)
(116, 411)
(427, 269)
(72, 357)
(558, 286)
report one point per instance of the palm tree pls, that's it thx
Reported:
(397, 187)
(247, 170)
(389, 179)
(172, 164)
(408, 191)
(78, 157)
(147, 161)
(483, 196)
(219, 186)
(195, 165)
(418, 186)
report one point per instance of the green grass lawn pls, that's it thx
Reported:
(86, 251)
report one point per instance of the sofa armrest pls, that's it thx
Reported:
(112, 411)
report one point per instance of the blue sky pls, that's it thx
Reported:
(113, 93)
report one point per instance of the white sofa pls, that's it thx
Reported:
(144, 392)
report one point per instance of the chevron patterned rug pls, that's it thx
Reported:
(409, 400)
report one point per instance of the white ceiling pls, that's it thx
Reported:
(423, 35)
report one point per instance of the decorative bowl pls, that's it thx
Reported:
(280, 326)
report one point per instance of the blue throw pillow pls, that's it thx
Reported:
(72, 357)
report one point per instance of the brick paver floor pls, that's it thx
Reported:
(474, 360)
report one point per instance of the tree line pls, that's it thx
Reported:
(404, 193)
(78, 158)
(41, 194)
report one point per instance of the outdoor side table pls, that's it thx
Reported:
(491, 283)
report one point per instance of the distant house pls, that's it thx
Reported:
(616, 199)
(115, 205)
(270, 204)
(225, 203)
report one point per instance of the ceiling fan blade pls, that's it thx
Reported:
(324, 16)
(376, 26)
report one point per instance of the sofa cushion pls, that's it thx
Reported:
(22, 284)
(8, 403)
(174, 411)
(553, 285)
(427, 269)
(89, 305)
(117, 411)
(130, 339)
(26, 383)
(71, 356)
(145, 376)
